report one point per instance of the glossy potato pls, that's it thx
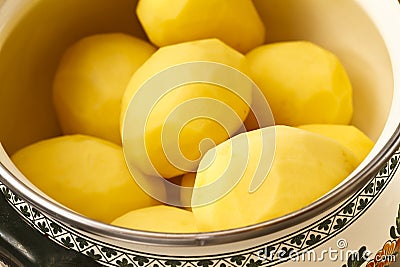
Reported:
(187, 180)
(86, 174)
(302, 82)
(159, 218)
(305, 167)
(347, 135)
(162, 116)
(169, 22)
(91, 79)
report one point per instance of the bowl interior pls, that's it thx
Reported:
(35, 34)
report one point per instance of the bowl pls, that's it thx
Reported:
(357, 218)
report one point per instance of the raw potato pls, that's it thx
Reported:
(303, 83)
(236, 23)
(86, 174)
(198, 129)
(188, 180)
(251, 122)
(306, 166)
(347, 135)
(91, 80)
(160, 218)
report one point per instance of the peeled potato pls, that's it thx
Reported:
(251, 122)
(303, 83)
(159, 218)
(305, 167)
(188, 180)
(91, 79)
(347, 135)
(86, 174)
(236, 23)
(162, 117)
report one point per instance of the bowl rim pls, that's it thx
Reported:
(118, 234)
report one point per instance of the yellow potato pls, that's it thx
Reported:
(251, 122)
(305, 167)
(159, 218)
(303, 83)
(198, 129)
(86, 174)
(347, 135)
(167, 22)
(188, 180)
(91, 79)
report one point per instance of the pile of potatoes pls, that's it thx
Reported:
(306, 86)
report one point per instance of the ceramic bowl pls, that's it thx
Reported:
(356, 217)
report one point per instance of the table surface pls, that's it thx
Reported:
(20, 245)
